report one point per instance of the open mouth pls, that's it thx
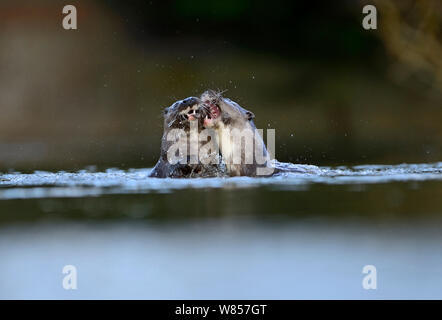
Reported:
(212, 111)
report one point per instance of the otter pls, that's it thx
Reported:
(179, 119)
(225, 125)
(232, 123)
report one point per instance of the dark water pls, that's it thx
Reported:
(292, 236)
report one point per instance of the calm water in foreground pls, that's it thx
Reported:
(292, 236)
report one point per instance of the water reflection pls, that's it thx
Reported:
(227, 258)
(290, 236)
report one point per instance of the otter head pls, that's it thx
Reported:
(215, 108)
(182, 112)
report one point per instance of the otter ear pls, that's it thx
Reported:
(250, 115)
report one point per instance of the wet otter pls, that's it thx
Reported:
(225, 116)
(183, 122)
(226, 125)
(233, 125)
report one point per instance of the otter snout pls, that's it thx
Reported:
(210, 111)
(190, 108)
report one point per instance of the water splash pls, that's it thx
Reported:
(83, 183)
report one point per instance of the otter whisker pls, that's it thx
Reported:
(205, 109)
(171, 123)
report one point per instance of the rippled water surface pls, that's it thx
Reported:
(295, 235)
(112, 181)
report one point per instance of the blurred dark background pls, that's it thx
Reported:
(335, 93)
